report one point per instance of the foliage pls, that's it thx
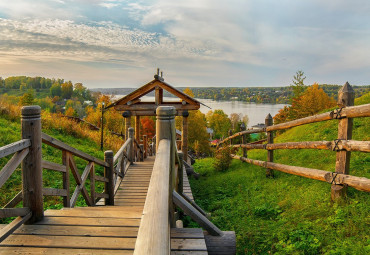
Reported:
(188, 92)
(56, 90)
(148, 125)
(298, 86)
(219, 122)
(223, 159)
(312, 101)
(67, 90)
(197, 132)
(28, 98)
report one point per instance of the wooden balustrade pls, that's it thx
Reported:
(28, 152)
(342, 146)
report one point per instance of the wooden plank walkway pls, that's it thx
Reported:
(102, 229)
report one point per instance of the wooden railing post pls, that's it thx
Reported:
(166, 130)
(145, 141)
(244, 139)
(31, 164)
(184, 134)
(65, 160)
(131, 153)
(181, 173)
(141, 152)
(346, 97)
(270, 139)
(127, 116)
(109, 173)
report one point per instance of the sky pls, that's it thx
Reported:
(208, 43)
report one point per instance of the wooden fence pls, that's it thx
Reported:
(343, 146)
(28, 151)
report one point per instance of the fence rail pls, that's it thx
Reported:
(343, 146)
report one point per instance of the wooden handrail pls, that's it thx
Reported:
(154, 237)
(62, 146)
(359, 183)
(14, 147)
(347, 112)
(348, 145)
(121, 150)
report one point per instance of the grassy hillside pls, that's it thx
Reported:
(290, 214)
(10, 131)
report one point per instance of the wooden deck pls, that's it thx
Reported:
(101, 229)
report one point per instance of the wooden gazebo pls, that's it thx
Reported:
(132, 105)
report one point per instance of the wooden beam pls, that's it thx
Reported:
(137, 128)
(54, 192)
(359, 183)
(158, 96)
(62, 146)
(195, 215)
(14, 212)
(153, 107)
(14, 147)
(53, 166)
(79, 181)
(14, 225)
(12, 164)
(16, 200)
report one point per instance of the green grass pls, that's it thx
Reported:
(289, 214)
(11, 132)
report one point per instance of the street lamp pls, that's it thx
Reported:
(102, 126)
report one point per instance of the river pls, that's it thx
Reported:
(256, 112)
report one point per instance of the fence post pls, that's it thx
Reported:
(270, 139)
(244, 138)
(109, 173)
(166, 130)
(131, 153)
(31, 164)
(145, 141)
(346, 97)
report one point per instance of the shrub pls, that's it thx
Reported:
(223, 159)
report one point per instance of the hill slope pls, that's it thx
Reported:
(290, 214)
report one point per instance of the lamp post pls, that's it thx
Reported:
(102, 126)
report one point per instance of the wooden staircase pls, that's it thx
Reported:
(100, 229)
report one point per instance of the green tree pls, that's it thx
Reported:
(219, 122)
(27, 98)
(67, 90)
(56, 90)
(197, 132)
(298, 86)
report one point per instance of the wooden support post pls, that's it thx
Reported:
(166, 130)
(109, 173)
(270, 139)
(141, 152)
(32, 163)
(181, 173)
(65, 160)
(127, 116)
(184, 134)
(137, 128)
(145, 141)
(346, 97)
(131, 153)
(92, 184)
(158, 96)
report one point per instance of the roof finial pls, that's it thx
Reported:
(158, 71)
(161, 74)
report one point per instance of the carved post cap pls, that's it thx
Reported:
(268, 120)
(31, 111)
(166, 112)
(131, 132)
(346, 95)
(181, 155)
(108, 154)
